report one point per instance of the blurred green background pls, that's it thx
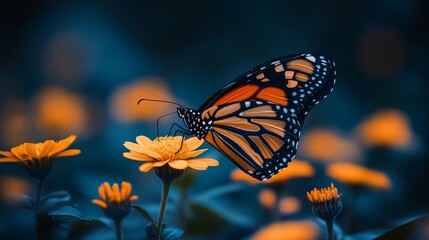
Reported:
(79, 68)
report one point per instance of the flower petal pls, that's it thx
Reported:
(19, 152)
(197, 165)
(8, 159)
(209, 161)
(146, 167)
(160, 164)
(178, 164)
(62, 145)
(6, 154)
(195, 153)
(68, 153)
(193, 143)
(137, 156)
(99, 203)
(143, 140)
(133, 146)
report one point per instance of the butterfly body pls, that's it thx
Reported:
(256, 120)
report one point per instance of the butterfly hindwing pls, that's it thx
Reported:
(260, 137)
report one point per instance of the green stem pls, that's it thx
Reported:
(329, 228)
(118, 229)
(38, 194)
(165, 189)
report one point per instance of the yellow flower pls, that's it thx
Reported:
(177, 152)
(387, 127)
(116, 203)
(292, 230)
(38, 157)
(354, 174)
(296, 169)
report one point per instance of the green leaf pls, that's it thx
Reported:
(67, 214)
(405, 230)
(56, 200)
(144, 213)
(151, 231)
(171, 233)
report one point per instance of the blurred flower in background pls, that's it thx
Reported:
(328, 145)
(12, 184)
(295, 169)
(302, 230)
(60, 112)
(386, 128)
(287, 205)
(353, 174)
(123, 103)
(15, 122)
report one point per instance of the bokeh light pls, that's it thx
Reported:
(293, 230)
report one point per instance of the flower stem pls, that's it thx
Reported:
(329, 228)
(38, 194)
(165, 189)
(118, 229)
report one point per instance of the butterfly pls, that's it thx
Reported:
(256, 120)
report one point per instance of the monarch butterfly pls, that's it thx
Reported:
(256, 119)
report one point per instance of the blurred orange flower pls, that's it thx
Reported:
(287, 205)
(387, 127)
(124, 102)
(291, 230)
(328, 145)
(60, 112)
(14, 185)
(353, 174)
(15, 121)
(296, 169)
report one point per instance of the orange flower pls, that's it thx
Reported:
(115, 203)
(174, 151)
(296, 169)
(354, 174)
(327, 145)
(38, 157)
(324, 194)
(293, 230)
(387, 127)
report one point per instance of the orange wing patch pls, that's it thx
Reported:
(301, 65)
(301, 77)
(230, 109)
(264, 110)
(266, 152)
(273, 94)
(220, 145)
(274, 126)
(292, 84)
(237, 95)
(240, 123)
(243, 143)
(274, 142)
(208, 113)
(289, 74)
(279, 68)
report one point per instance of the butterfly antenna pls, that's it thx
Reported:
(157, 100)
(157, 122)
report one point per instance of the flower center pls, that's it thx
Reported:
(167, 147)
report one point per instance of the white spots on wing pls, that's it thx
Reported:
(310, 58)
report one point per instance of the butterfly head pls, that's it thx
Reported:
(193, 122)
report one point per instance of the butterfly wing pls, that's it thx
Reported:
(297, 82)
(257, 118)
(258, 136)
